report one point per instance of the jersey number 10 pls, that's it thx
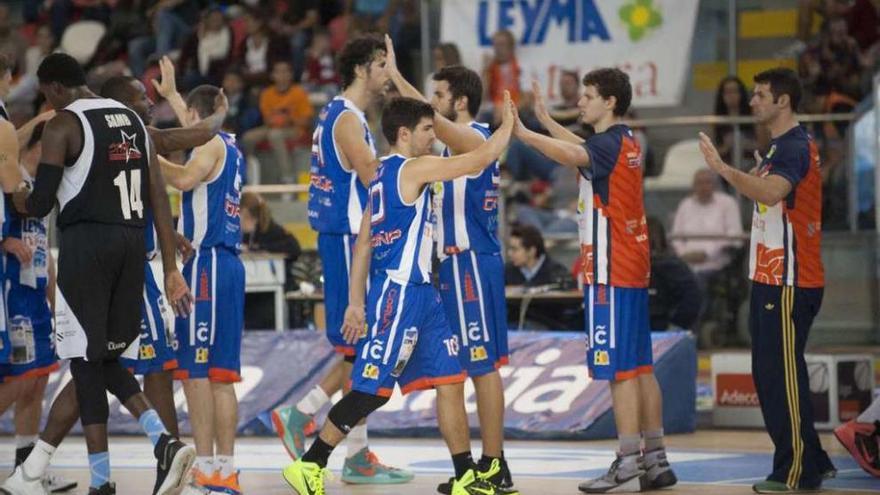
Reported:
(130, 198)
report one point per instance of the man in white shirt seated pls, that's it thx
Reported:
(706, 212)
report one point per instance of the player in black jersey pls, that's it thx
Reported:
(98, 162)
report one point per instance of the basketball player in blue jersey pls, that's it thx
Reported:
(471, 268)
(405, 338)
(343, 163)
(209, 340)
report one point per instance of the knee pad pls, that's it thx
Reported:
(120, 382)
(354, 407)
(349, 359)
(91, 391)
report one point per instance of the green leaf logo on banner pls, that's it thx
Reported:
(640, 16)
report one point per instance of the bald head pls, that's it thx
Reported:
(704, 185)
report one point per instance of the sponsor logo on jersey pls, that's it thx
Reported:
(204, 292)
(470, 293)
(201, 355)
(385, 238)
(601, 295)
(388, 309)
(115, 346)
(600, 358)
(147, 351)
(124, 150)
(371, 372)
(479, 353)
(407, 346)
(321, 183)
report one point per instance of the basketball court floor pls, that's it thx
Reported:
(708, 462)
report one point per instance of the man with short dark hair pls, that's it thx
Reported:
(787, 275)
(529, 264)
(97, 161)
(616, 272)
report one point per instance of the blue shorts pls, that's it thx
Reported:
(29, 330)
(472, 288)
(335, 251)
(209, 339)
(155, 350)
(618, 332)
(408, 341)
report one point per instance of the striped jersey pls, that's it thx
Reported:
(787, 237)
(466, 209)
(611, 214)
(337, 198)
(34, 233)
(209, 214)
(400, 232)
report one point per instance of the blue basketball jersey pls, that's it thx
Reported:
(400, 233)
(336, 197)
(209, 214)
(466, 209)
(33, 232)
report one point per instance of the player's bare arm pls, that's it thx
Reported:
(167, 88)
(560, 151)
(62, 138)
(355, 316)
(176, 290)
(356, 154)
(10, 174)
(460, 138)
(767, 190)
(555, 129)
(202, 165)
(427, 169)
(184, 138)
(25, 132)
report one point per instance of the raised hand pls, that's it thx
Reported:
(710, 154)
(540, 106)
(390, 56)
(167, 86)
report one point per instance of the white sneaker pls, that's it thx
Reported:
(20, 484)
(55, 483)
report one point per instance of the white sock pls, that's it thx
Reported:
(36, 463)
(356, 440)
(22, 441)
(313, 401)
(205, 464)
(225, 464)
(871, 414)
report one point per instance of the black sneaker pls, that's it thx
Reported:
(496, 473)
(174, 458)
(105, 489)
(659, 473)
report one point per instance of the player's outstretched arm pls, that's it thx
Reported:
(61, 134)
(10, 173)
(199, 167)
(24, 132)
(176, 290)
(561, 152)
(555, 129)
(767, 190)
(356, 154)
(459, 137)
(167, 88)
(184, 138)
(355, 316)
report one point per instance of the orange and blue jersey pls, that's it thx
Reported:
(787, 237)
(612, 227)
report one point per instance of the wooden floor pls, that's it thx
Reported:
(712, 462)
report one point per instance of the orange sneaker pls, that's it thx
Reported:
(862, 440)
(226, 486)
(200, 483)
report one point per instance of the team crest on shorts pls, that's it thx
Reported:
(371, 371)
(147, 351)
(600, 358)
(201, 355)
(478, 353)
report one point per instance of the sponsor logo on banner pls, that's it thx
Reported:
(554, 35)
(736, 390)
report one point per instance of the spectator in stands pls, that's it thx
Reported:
(545, 213)
(62, 12)
(706, 212)
(529, 265)
(732, 100)
(566, 111)
(27, 89)
(295, 21)
(128, 22)
(261, 49)
(864, 24)
(208, 51)
(243, 115)
(371, 15)
(674, 296)
(12, 45)
(502, 72)
(287, 115)
(260, 234)
(320, 75)
(833, 62)
(444, 55)
(172, 23)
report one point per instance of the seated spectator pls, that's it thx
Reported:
(261, 234)
(243, 114)
(674, 296)
(287, 115)
(320, 75)
(566, 110)
(732, 100)
(706, 212)
(261, 49)
(529, 264)
(547, 212)
(207, 53)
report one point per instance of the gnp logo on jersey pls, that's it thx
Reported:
(371, 372)
(124, 150)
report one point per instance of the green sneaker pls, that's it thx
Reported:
(779, 487)
(291, 426)
(306, 478)
(364, 468)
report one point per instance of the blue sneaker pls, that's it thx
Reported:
(364, 468)
(292, 427)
